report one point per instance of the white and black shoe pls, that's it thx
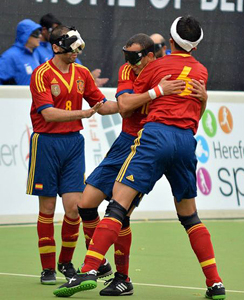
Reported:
(67, 269)
(216, 291)
(48, 277)
(118, 286)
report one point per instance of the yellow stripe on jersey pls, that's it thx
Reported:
(126, 72)
(69, 244)
(39, 78)
(208, 262)
(33, 164)
(95, 254)
(47, 249)
(68, 85)
(129, 158)
(181, 54)
(82, 67)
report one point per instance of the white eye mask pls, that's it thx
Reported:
(185, 44)
(79, 42)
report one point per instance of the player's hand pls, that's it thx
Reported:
(172, 86)
(87, 113)
(198, 90)
(101, 81)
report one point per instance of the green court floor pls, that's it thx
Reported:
(162, 264)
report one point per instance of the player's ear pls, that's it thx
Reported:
(151, 55)
(56, 48)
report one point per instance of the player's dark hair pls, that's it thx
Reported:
(57, 32)
(48, 20)
(188, 29)
(142, 39)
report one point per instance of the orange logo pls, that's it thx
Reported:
(225, 119)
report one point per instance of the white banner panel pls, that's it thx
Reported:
(220, 153)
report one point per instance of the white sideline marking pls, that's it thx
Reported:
(141, 284)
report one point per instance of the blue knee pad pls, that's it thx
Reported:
(189, 221)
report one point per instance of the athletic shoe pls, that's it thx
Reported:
(216, 291)
(67, 270)
(48, 277)
(118, 286)
(80, 282)
(103, 271)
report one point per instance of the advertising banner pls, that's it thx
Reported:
(220, 153)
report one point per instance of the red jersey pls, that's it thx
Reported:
(181, 110)
(126, 79)
(52, 88)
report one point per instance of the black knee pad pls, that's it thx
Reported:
(116, 211)
(88, 214)
(126, 222)
(189, 221)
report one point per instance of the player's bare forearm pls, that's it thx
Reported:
(129, 102)
(52, 114)
(109, 108)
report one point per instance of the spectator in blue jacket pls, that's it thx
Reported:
(19, 61)
(45, 51)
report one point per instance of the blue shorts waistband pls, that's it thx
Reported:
(171, 128)
(60, 135)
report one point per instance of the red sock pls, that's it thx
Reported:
(88, 229)
(46, 244)
(203, 248)
(70, 234)
(122, 250)
(105, 235)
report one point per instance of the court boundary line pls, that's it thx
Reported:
(139, 284)
(227, 220)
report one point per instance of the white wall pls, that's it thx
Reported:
(221, 158)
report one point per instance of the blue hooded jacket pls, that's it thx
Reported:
(17, 63)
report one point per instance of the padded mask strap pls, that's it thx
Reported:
(189, 221)
(116, 211)
(88, 214)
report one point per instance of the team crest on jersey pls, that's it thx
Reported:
(80, 86)
(55, 89)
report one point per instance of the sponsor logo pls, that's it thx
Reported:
(130, 178)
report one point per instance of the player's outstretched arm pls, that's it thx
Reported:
(109, 108)
(52, 114)
(199, 91)
(129, 102)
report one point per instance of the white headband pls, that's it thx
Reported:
(79, 42)
(185, 44)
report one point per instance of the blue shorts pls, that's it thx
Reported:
(104, 175)
(56, 165)
(162, 150)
